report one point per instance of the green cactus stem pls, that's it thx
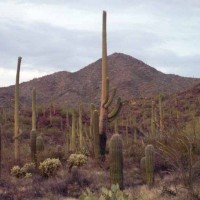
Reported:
(143, 168)
(116, 160)
(16, 114)
(39, 143)
(116, 109)
(150, 159)
(96, 133)
(73, 132)
(80, 126)
(33, 109)
(33, 146)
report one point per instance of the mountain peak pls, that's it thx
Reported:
(131, 77)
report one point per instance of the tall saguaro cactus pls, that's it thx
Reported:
(33, 134)
(16, 114)
(106, 100)
(116, 160)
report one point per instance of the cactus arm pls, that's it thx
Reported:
(116, 110)
(110, 99)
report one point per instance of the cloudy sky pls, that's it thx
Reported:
(56, 35)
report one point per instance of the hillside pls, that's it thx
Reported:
(132, 77)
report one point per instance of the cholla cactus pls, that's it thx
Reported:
(49, 167)
(77, 160)
(116, 160)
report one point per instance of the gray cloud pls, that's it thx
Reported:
(59, 35)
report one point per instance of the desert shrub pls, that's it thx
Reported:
(17, 172)
(113, 193)
(49, 167)
(77, 160)
(28, 168)
(26, 171)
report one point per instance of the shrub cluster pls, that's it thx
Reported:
(24, 172)
(49, 167)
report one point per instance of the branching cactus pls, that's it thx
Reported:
(96, 133)
(16, 115)
(150, 163)
(106, 100)
(116, 160)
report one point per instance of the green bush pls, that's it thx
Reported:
(77, 160)
(49, 167)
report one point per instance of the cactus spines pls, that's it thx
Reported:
(149, 163)
(96, 133)
(16, 115)
(116, 160)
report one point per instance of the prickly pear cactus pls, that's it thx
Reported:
(116, 160)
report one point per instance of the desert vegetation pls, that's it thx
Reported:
(137, 149)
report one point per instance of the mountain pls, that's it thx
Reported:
(131, 77)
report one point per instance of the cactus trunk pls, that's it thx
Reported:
(149, 162)
(96, 133)
(116, 160)
(104, 93)
(16, 115)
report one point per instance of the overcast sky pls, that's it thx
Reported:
(57, 35)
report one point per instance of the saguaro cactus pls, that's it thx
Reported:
(106, 100)
(33, 134)
(161, 125)
(73, 132)
(143, 168)
(80, 126)
(149, 163)
(116, 160)
(16, 115)
(96, 133)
